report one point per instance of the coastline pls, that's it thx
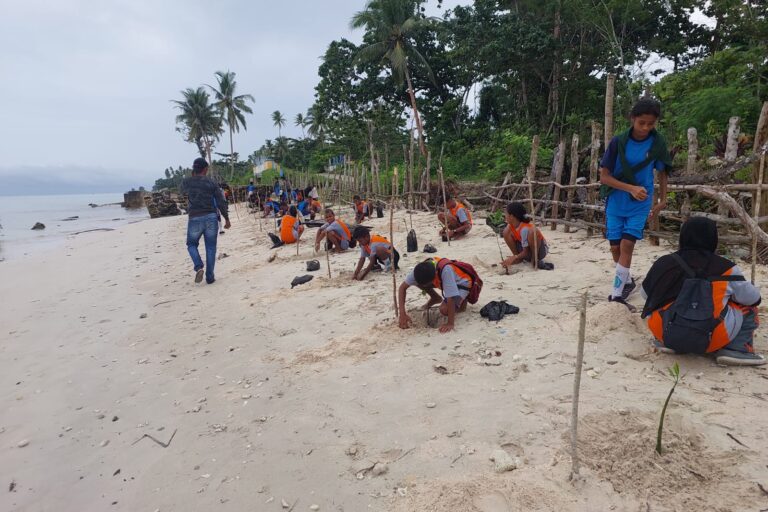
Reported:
(278, 394)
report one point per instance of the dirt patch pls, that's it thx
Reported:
(688, 476)
(606, 318)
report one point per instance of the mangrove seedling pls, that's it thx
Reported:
(674, 372)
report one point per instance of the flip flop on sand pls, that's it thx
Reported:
(199, 275)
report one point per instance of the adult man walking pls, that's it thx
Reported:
(205, 197)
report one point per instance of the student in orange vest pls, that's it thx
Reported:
(374, 248)
(520, 235)
(696, 280)
(362, 209)
(335, 231)
(291, 229)
(454, 283)
(458, 221)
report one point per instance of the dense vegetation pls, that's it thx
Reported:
(486, 77)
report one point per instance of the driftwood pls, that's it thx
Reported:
(722, 173)
(752, 227)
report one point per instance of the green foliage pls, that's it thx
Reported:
(674, 372)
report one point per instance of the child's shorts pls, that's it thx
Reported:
(458, 301)
(616, 226)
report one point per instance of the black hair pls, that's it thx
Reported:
(328, 211)
(424, 272)
(360, 232)
(292, 211)
(518, 211)
(646, 106)
(199, 165)
(356, 197)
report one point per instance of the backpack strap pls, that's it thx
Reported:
(439, 268)
(686, 268)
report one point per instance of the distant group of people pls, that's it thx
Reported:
(695, 300)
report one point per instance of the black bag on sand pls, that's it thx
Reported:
(413, 245)
(313, 265)
(430, 248)
(689, 322)
(276, 242)
(301, 280)
(379, 211)
(495, 310)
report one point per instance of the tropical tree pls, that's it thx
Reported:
(199, 120)
(300, 121)
(390, 25)
(278, 120)
(232, 108)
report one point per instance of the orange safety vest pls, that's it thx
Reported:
(286, 229)
(516, 232)
(345, 228)
(375, 239)
(456, 209)
(719, 335)
(436, 282)
(316, 204)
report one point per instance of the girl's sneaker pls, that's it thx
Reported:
(730, 357)
(628, 288)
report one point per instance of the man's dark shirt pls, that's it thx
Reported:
(205, 196)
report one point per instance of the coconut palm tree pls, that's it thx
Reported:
(299, 120)
(231, 107)
(316, 121)
(199, 120)
(391, 24)
(279, 121)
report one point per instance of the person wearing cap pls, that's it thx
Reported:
(205, 198)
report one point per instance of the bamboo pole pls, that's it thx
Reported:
(328, 259)
(609, 88)
(410, 173)
(574, 175)
(559, 166)
(757, 215)
(577, 388)
(531, 175)
(507, 177)
(445, 206)
(392, 244)
(594, 151)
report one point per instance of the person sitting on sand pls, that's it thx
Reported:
(335, 231)
(291, 229)
(454, 280)
(519, 236)
(456, 222)
(374, 248)
(205, 198)
(271, 206)
(699, 302)
(314, 207)
(362, 209)
(303, 207)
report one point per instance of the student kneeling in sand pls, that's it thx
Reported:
(335, 231)
(458, 282)
(362, 209)
(457, 222)
(698, 302)
(520, 235)
(374, 248)
(291, 229)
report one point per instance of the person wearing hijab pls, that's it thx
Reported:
(731, 341)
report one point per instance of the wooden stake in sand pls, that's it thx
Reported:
(392, 243)
(445, 206)
(501, 254)
(758, 198)
(531, 176)
(328, 259)
(576, 388)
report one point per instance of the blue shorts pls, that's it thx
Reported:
(616, 226)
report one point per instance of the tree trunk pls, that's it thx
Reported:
(594, 154)
(416, 116)
(231, 156)
(554, 106)
(693, 150)
(574, 175)
(609, 88)
(761, 137)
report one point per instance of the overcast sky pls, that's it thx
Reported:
(86, 84)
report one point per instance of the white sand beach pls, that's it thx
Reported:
(283, 399)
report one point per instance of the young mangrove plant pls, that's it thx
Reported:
(674, 372)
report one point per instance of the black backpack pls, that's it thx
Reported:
(689, 322)
(413, 244)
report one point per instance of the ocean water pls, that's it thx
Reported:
(19, 213)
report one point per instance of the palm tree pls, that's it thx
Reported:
(299, 120)
(316, 121)
(391, 24)
(231, 108)
(199, 120)
(279, 121)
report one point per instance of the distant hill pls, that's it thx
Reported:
(65, 180)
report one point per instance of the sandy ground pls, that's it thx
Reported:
(282, 399)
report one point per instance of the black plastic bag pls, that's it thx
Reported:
(413, 245)
(301, 280)
(275, 240)
(379, 211)
(429, 248)
(313, 265)
(495, 310)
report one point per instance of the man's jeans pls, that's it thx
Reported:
(207, 226)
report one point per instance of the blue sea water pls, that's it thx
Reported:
(19, 213)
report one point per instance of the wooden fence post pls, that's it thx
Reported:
(594, 154)
(572, 182)
(559, 165)
(531, 176)
(732, 143)
(609, 88)
(693, 150)
(761, 137)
